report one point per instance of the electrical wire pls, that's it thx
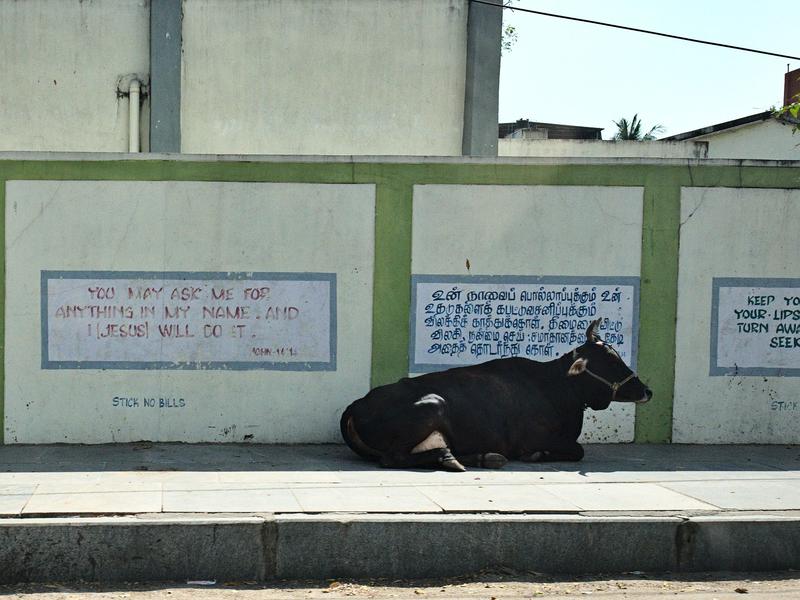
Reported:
(666, 35)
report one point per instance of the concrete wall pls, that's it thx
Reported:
(381, 228)
(765, 140)
(330, 77)
(279, 77)
(601, 148)
(60, 62)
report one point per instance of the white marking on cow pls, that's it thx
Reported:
(432, 442)
(429, 399)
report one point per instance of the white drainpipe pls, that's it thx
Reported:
(133, 110)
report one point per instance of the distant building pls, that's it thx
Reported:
(532, 130)
(758, 136)
(548, 140)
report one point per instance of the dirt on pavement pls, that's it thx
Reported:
(489, 586)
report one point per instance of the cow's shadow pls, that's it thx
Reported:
(599, 458)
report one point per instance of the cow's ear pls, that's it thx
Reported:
(578, 367)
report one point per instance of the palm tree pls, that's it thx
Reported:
(632, 130)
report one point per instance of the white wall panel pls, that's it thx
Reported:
(746, 234)
(190, 227)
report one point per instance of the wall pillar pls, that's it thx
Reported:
(166, 18)
(482, 86)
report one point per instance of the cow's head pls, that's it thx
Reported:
(598, 360)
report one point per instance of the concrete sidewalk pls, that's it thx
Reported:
(255, 512)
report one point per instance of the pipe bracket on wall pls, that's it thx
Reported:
(133, 87)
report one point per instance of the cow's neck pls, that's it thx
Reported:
(586, 388)
(593, 392)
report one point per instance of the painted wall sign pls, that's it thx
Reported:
(467, 320)
(188, 320)
(755, 326)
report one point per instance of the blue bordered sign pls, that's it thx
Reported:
(460, 320)
(188, 320)
(755, 326)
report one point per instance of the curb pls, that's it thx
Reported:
(267, 547)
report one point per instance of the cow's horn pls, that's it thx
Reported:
(591, 333)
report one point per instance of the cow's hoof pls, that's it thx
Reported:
(451, 464)
(493, 460)
(535, 457)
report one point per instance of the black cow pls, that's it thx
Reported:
(482, 415)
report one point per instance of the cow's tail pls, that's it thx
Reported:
(352, 439)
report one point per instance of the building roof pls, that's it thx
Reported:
(748, 120)
(555, 131)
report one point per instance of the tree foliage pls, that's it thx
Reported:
(633, 130)
(509, 38)
(509, 32)
(790, 112)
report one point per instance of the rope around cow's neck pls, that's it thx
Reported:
(615, 386)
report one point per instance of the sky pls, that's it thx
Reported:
(579, 74)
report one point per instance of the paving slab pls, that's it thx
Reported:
(498, 498)
(38, 477)
(13, 498)
(365, 499)
(663, 475)
(95, 498)
(743, 495)
(506, 476)
(227, 498)
(626, 497)
(280, 477)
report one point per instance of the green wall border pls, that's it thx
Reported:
(394, 181)
(2, 307)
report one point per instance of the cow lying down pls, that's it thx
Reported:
(483, 415)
